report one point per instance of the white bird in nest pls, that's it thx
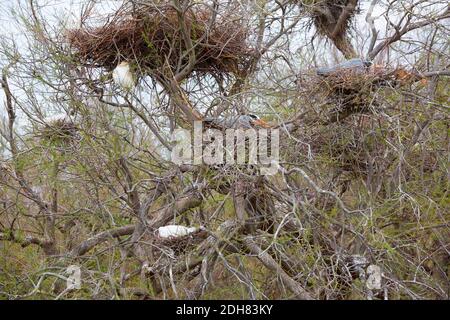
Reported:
(174, 231)
(57, 119)
(123, 76)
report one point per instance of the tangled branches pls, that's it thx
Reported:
(333, 20)
(154, 37)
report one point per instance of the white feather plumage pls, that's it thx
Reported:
(57, 118)
(123, 77)
(173, 231)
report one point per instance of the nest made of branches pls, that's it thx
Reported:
(60, 131)
(180, 244)
(333, 19)
(151, 37)
(326, 15)
(349, 85)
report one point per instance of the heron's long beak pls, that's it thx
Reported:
(261, 123)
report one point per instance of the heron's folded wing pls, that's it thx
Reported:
(324, 71)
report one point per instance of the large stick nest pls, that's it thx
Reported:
(151, 37)
(59, 130)
(333, 19)
(326, 15)
(350, 83)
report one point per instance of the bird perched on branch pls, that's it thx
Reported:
(244, 121)
(353, 65)
(123, 76)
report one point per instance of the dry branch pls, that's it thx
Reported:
(269, 263)
(90, 243)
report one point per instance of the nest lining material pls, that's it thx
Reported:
(347, 82)
(153, 40)
(58, 128)
(326, 14)
(180, 244)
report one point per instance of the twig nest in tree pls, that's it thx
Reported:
(360, 76)
(150, 36)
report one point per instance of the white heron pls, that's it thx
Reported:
(57, 119)
(123, 76)
(173, 231)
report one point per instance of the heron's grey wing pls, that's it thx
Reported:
(213, 121)
(324, 71)
(233, 122)
(356, 64)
